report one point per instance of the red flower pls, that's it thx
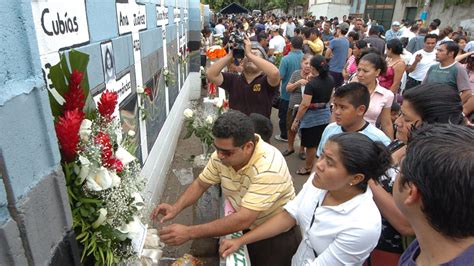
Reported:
(107, 103)
(225, 105)
(212, 89)
(75, 98)
(118, 166)
(76, 78)
(106, 155)
(148, 91)
(67, 131)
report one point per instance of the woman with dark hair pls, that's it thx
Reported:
(351, 66)
(370, 67)
(334, 209)
(462, 55)
(427, 103)
(395, 66)
(314, 113)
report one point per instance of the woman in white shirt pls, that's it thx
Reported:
(335, 211)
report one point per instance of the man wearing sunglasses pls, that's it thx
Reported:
(254, 178)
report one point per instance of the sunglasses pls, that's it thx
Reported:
(226, 152)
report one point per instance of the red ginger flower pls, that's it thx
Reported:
(67, 131)
(107, 103)
(75, 98)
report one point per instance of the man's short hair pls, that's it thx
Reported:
(297, 42)
(451, 47)
(430, 36)
(423, 30)
(236, 125)
(263, 126)
(355, 93)
(374, 30)
(315, 31)
(262, 36)
(439, 162)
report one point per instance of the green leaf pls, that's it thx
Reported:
(64, 67)
(57, 78)
(56, 108)
(89, 200)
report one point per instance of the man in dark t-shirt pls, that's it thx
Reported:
(253, 90)
(434, 192)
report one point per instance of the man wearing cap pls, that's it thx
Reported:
(277, 43)
(253, 90)
(394, 32)
(337, 53)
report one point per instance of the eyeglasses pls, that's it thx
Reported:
(226, 152)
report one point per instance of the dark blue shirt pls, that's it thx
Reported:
(409, 256)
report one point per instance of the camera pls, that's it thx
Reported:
(238, 47)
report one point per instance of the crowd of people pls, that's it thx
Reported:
(383, 119)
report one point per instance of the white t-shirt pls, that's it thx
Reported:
(277, 43)
(340, 235)
(219, 28)
(370, 131)
(283, 27)
(422, 67)
(408, 34)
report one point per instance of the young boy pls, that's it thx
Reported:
(350, 104)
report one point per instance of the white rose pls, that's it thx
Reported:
(134, 228)
(124, 156)
(115, 179)
(179, 54)
(85, 129)
(101, 219)
(84, 169)
(219, 103)
(140, 89)
(201, 68)
(131, 133)
(137, 200)
(99, 179)
(188, 113)
(209, 119)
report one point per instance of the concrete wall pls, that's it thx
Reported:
(35, 218)
(330, 10)
(453, 16)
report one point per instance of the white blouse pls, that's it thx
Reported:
(340, 235)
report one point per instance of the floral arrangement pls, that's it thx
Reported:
(199, 122)
(182, 59)
(167, 76)
(102, 176)
(201, 127)
(215, 52)
(145, 95)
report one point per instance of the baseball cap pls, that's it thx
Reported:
(343, 26)
(257, 46)
(395, 23)
(274, 28)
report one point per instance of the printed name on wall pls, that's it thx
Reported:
(58, 25)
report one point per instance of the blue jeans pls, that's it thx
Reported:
(282, 110)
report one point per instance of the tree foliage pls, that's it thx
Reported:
(257, 4)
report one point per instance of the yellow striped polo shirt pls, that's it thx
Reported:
(263, 185)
